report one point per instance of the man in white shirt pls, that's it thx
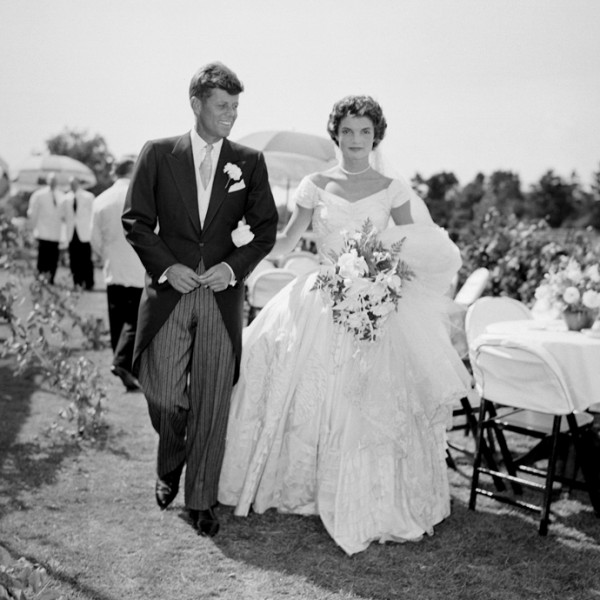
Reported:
(46, 213)
(123, 271)
(79, 213)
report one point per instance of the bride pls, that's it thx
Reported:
(324, 421)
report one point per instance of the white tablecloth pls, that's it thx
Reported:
(577, 353)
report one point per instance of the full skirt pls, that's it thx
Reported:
(353, 431)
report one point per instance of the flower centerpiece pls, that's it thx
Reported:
(573, 287)
(363, 285)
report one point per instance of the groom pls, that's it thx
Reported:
(186, 197)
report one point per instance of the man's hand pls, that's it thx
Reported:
(217, 278)
(182, 278)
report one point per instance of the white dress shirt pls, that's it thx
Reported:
(122, 265)
(199, 152)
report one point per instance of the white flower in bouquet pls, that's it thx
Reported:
(363, 285)
(571, 295)
(383, 309)
(573, 272)
(543, 292)
(591, 299)
(351, 265)
(355, 288)
(593, 272)
(394, 282)
(355, 321)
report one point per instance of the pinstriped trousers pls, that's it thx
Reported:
(186, 373)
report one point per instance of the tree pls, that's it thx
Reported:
(440, 190)
(552, 199)
(594, 220)
(90, 150)
(465, 204)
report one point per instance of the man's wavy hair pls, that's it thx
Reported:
(357, 106)
(214, 75)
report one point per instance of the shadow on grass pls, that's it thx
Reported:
(15, 402)
(490, 553)
(23, 465)
(56, 574)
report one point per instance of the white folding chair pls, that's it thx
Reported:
(522, 391)
(264, 286)
(301, 263)
(481, 313)
(473, 287)
(263, 265)
(492, 309)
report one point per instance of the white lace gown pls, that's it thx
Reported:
(352, 431)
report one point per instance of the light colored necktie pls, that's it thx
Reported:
(206, 166)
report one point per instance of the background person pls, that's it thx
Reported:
(47, 215)
(79, 204)
(123, 271)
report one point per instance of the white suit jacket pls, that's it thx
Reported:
(82, 220)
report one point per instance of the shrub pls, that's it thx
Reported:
(43, 341)
(518, 253)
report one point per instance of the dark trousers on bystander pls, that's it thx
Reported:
(123, 303)
(80, 260)
(47, 259)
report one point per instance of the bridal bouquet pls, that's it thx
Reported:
(364, 283)
(571, 285)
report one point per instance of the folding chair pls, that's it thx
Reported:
(523, 392)
(263, 265)
(301, 262)
(263, 287)
(481, 313)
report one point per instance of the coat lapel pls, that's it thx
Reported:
(219, 189)
(181, 162)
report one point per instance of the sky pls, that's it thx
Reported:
(467, 86)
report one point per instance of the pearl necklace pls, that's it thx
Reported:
(354, 172)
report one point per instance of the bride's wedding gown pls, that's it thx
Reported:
(351, 431)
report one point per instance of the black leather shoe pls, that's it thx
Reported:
(167, 487)
(205, 522)
(128, 379)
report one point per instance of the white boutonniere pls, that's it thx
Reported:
(235, 181)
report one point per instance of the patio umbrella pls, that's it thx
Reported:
(33, 171)
(290, 155)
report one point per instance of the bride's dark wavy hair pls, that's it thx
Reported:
(214, 75)
(357, 106)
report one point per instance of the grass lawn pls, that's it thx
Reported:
(87, 513)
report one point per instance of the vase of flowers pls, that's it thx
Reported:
(574, 288)
(576, 320)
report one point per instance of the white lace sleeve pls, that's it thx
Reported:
(306, 194)
(400, 192)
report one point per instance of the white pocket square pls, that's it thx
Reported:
(240, 185)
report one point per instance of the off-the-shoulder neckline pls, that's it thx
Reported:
(384, 190)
